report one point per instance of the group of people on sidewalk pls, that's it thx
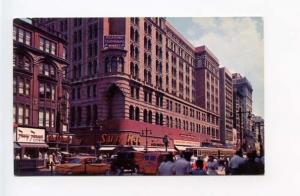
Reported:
(239, 164)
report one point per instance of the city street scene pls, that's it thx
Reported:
(138, 96)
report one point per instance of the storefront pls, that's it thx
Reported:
(29, 145)
(59, 142)
(138, 135)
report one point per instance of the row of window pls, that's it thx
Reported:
(91, 115)
(46, 117)
(91, 91)
(21, 86)
(22, 35)
(21, 114)
(47, 91)
(25, 37)
(134, 114)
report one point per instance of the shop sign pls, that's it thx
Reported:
(186, 143)
(30, 135)
(133, 139)
(114, 41)
(66, 139)
(110, 139)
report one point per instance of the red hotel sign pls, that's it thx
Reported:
(67, 139)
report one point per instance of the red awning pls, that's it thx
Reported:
(33, 145)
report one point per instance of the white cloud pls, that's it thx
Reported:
(238, 44)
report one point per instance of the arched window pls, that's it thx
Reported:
(145, 115)
(167, 121)
(136, 53)
(131, 112)
(23, 62)
(137, 113)
(145, 59)
(179, 124)
(131, 51)
(149, 44)
(132, 69)
(157, 118)
(136, 71)
(149, 60)
(176, 123)
(149, 77)
(161, 119)
(150, 116)
(171, 122)
(145, 75)
(145, 42)
(114, 64)
(131, 34)
(107, 65)
(136, 36)
(120, 64)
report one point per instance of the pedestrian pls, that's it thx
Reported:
(251, 167)
(235, 163)
(40, 155)
(212, 166)
(199, 168)
(46, 159)
(182, 165)
(166, 168)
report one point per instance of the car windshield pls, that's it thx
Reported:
(76, 161)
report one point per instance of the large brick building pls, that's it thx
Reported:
(139, 72)
(40, 87)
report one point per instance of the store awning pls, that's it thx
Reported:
(107, 148)
(154, 149)
(16, 145)
(33, 145)
(140, 149)
(181, 148)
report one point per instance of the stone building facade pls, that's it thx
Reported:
(138, 70)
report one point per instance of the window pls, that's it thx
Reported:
(48, 46)
(47, 70)
(52, 118)
(41, 117)
(78, 93)
(131, 112)
(94, 90)
(95, 112)
(47, 118)
(21, 86)
(88, 115)
(22, 35)
(88, 91)
(15, 113)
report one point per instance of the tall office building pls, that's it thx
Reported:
(242, 108)
(226, 107)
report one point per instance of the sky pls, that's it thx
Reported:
(237, 42)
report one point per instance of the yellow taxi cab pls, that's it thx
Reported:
(97, 168)
(82, 165)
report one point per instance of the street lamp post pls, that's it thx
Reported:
(146, 134)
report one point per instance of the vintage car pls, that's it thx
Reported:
(82, 165)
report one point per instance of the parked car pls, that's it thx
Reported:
(82, 165)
